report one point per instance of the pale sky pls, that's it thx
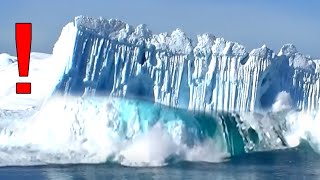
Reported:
(251, 23)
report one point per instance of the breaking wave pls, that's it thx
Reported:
(130, 132)
(99, 130)
(72, 130)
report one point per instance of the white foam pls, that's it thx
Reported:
(283, 102)
(74, 131)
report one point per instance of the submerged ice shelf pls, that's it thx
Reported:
(111, 57)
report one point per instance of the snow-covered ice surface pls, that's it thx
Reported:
(96, 60)
(44, 74)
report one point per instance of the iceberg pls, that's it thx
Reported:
(111, 92)
(110, 57)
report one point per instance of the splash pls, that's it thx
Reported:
(98, 130)
(73, 130)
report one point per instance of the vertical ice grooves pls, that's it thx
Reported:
(111, 57)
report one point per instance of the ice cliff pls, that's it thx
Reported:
(110, 57)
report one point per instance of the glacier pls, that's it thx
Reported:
(111, 92)
(110, 57)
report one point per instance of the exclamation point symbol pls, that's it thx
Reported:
(23, 47)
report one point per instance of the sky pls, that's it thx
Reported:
(251, 23)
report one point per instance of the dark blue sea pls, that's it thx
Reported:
(298, 163)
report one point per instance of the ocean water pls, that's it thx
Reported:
(297, 163)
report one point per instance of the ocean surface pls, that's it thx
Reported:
(297, 163)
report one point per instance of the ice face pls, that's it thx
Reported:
(110, 57)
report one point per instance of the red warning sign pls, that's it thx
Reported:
(23, 47)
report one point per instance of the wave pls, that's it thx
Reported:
(72, 130)
(99, 130)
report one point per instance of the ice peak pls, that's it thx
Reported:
(142, 31)
(218, 46)
(205, 43)
(288, 50)
(228, 48)
(303, 62)
(205, 40)
(177, 42)
(263, 52)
